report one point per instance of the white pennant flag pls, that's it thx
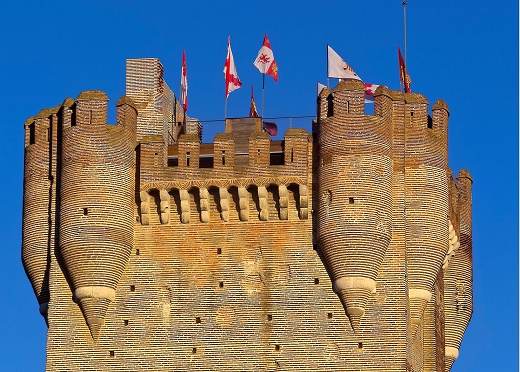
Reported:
(320, 87)
(337, 67)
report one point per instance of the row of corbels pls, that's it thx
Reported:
(243, 204)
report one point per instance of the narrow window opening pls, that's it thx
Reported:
(348, 107)
(292, 155)
(221, 284)
(315, 247)
(132, 288)
(277, 347)
(316, 280)
(137, 252)
(351, 200)
(258, 152)
(330, 197)
(188, 159)
(85, 211)
(329, 315)
(430, 122)
(269, 317)
(126, 322)
(32, 134)
(112, 353)
(219, 250)
(223, 158)
(197, 320)
(194, 350)
(156, 154)
(360, 345)
(411, 113)
(90, 118)
(48, 134)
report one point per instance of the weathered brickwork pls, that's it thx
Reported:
(348, 249)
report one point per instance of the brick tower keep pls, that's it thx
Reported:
(347, 249)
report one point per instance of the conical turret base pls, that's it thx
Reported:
(94, 310)
(449, 363)
(94, 302)
(354, 301)
(417, 307)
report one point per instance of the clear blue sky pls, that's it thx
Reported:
(465, 52)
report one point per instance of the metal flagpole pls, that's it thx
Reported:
(405, 3)
(263, 85)
(328, 80)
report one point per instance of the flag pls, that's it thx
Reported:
(320, 87)
(252, 109)
(230, 72)
(265, 62)
(184, 83)
(337, 67)
(271, 128)
(370, 89)
(403, 73)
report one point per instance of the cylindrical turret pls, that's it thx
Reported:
(458, 277)
(97, 196)
(36, 228)
(355, 201)
(427, 201)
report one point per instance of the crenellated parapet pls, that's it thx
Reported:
(216, 172)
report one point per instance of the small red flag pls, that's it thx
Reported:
(271, 128)
(184, 83)
(252, 109)
(403, 73)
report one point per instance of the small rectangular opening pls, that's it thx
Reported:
(32, 134)
(197, 320)
(219, 250)
(277, 347)
(194, 350)
(223, 158)
(137, 252)
(48, 138)
(112, 353)
(187, 158)
(292, 155)
(221, 284)
(360, 345)
(132, 288)
(85, 211)
(351, 200)
(329, 315)
(269, 317)
(126, 322)
(316, 280)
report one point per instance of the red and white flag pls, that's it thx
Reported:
(337, 67)
(230, 72)
(184, 83)
(265, 60)
(370, 89)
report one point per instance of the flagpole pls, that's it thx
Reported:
(328, 80)
(405, 3)
(263, 86)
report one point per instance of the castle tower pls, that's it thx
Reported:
(458, 276)
(355, 200)
(38, 202)
(96, 209)
(427, 199)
